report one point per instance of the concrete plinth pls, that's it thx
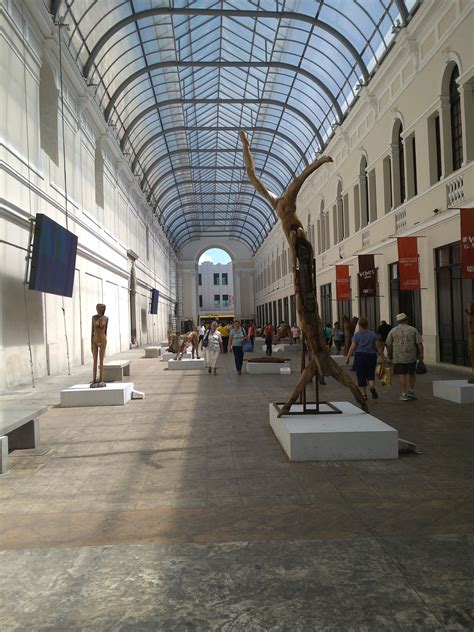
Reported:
(186, 364)
(168, 355)
(114, 394)
(152, 352)
(275, 348)
(116, 371)
(458, 391)
(260, 368)
(350, 435)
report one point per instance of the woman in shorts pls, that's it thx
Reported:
(365, 346)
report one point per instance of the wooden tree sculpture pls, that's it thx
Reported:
(319, 358)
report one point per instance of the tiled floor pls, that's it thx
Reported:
(181, 512)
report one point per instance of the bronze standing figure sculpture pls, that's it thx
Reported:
(319, 358)
(99, 344)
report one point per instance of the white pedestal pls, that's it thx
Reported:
(186, 364)
(152, 352)
(260, 368)
(285, 370)
(114, 394)
(459, 391)
(276, 348)
(350, 435)
(167, 355)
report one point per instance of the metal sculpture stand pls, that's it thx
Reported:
(314, 406)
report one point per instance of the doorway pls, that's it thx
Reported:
(453, 295)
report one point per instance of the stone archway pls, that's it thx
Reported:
(243, 277)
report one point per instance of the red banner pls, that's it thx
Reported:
(367, 275)
(408, 270)
(467, 243)
(343, 283)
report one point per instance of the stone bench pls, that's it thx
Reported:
(152, 352)
(115, 371)
(19, 430)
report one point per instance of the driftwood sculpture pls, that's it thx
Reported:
(319, 358)
(173, 341)
(190, 339)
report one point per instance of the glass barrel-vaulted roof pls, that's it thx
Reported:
(179, 79)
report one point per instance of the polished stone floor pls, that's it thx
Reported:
(181, 512)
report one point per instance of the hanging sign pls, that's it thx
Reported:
(343, 283)
(367, 275)
(467, 243)
(408, 270)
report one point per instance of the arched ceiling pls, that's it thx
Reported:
(178, 79)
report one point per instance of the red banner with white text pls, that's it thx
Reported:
(343, 283)
(408, 269)
(467, 243)
(367, 275)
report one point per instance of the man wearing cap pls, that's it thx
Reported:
(404, 347)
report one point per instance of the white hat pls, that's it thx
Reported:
(401, 317)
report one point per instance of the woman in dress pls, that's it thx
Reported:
(213, 348)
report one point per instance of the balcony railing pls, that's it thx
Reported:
(400, 219)
(365, 238)
(455, 191)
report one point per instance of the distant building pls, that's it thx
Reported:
(215, 288)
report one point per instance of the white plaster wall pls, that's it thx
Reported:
(30, 182)
(408, 84)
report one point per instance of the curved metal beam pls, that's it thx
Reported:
(402, 9)
(168, 102)
(180, 221)
(191, 235)
(185, 128)
(221, 64)
(238, 150)
(278, 15)
(247, 194)
(198, 181)
(192, 229)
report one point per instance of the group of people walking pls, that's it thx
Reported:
(402, 344)
(404, 347)
(223, 339)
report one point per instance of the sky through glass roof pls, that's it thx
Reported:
(178, 80)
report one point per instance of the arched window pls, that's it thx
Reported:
(48, 111)
(364, 192)
(401, 164)
(340, 212)
(398, 164)
(99, 176)
(321, 227)
(456, 121)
